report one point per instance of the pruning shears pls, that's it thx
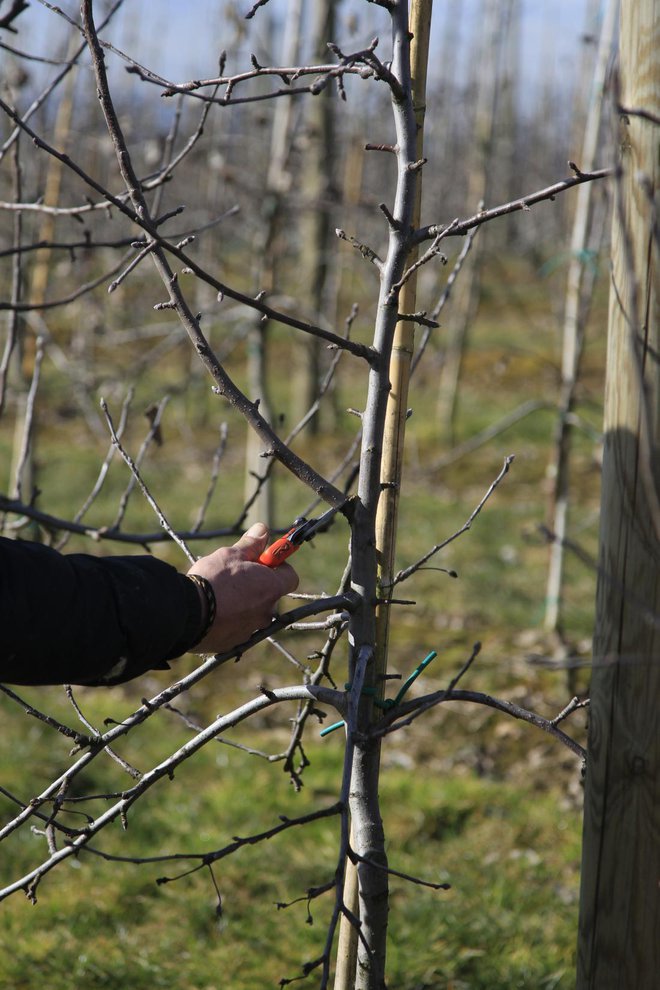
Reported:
(302, 530)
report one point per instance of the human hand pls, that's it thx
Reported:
(246, 592)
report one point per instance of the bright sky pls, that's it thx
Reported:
(183, 40)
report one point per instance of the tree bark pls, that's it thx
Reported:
(317, 193)
(496, 15)
(380, 481)
(259, 492)
(618, 944)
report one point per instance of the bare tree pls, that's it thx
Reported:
(317, 180)
(267, 251)
(358, 613)
(497, 16)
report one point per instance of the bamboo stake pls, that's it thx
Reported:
(392, 462)
(402, 351)
(347, 942)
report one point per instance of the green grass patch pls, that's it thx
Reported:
(468, 797)
(510, 854)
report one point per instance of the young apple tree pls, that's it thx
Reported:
(116, 195)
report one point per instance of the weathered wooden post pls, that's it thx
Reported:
(618, 943)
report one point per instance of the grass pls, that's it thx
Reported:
(506, 849)
(469, 798)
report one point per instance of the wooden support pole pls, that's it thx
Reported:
(619, 945)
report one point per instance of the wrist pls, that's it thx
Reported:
(208, 606)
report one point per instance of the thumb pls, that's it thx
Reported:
(253, 543)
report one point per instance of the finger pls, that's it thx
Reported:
(253, 543)
(288, 578)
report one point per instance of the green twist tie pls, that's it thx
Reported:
(387, 703)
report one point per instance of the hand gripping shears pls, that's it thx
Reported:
(302, 530)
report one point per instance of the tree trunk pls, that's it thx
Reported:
(258, 492)
(618, 943)
(495, 17)
(24, 466)
(372, 903)
(317, 193)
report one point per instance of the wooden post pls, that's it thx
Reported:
(618, 944)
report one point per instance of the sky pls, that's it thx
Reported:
(182, 40)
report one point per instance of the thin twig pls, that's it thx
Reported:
(429, 255)
(408, 571)
(95, 735)
(103, 470)
(53, 723)
(444, 296)
(573, 706)
(180, 542)
(99, 533)
(218, 454)
(397, 873)
(29, 420)
(458, 228)
(464, 669)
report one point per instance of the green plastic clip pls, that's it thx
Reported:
(388, 703)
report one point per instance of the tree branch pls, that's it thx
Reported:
(403, 575)
(460, 227)
(405, 714)
(121, 807)
(139, 217)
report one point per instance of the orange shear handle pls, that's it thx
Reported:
(277, 552)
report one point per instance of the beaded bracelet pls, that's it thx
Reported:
(206, 588)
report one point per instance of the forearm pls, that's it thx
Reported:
(86, 620)
(79, 619)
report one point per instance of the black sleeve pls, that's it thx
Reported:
(78, 619)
